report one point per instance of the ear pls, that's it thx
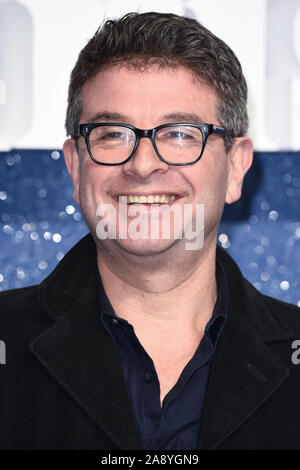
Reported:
(72, 164)
(240, 158)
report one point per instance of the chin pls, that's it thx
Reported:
(143, 247)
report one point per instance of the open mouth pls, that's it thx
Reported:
(148, 199)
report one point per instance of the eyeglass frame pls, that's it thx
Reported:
(206, 129)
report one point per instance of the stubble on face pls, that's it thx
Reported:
(145, 97)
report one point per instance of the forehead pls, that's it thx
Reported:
(148, 94)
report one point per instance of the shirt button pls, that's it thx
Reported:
(148, 376)
(115, 322)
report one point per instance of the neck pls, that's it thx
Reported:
(168, 295)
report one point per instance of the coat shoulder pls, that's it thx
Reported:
(21, 315)
(17, 300)
(287, 314)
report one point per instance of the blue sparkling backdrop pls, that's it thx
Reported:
(39, 221)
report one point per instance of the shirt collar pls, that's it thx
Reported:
(214, 326)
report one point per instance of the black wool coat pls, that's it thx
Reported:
(62, 385)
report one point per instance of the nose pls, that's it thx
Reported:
(145, 161)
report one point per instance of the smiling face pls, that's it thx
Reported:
(146, 99)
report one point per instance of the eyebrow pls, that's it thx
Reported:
(108, 116)
(181, 116)
(177, 116)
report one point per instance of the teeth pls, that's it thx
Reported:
(163, 198)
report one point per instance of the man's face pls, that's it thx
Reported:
(145, 100)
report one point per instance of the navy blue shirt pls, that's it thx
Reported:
(176, 424)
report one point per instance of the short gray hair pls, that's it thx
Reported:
(168, 40)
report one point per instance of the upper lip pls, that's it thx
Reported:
(149, 193)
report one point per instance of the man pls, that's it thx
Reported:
(145, 342)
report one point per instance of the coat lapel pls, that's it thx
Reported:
(80, 354)
(245, 371)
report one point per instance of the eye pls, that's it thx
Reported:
(111, 135)
(179, 135)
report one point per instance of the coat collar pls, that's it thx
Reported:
(80, 355)
(245, 371)
(77, 350)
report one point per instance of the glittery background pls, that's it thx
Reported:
(39, 221)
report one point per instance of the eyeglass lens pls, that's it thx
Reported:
(176, 144)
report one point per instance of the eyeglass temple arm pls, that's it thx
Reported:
(78, 134)
(219, 130)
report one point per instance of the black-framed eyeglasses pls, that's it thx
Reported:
(175, 144)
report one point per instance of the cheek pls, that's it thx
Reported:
(221, 179)
(93, 183)
(87, 183)
(210, 186)
(88, 189)
(209, 179)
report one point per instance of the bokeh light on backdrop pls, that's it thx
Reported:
(39, 221)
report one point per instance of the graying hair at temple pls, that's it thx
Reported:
(165, 40)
